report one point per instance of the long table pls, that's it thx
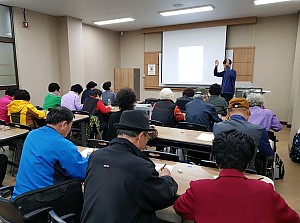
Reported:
(181, 138)
(14, 134)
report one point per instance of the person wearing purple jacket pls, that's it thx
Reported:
(260, 115)
(71, 100)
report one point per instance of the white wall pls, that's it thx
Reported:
(37, 50)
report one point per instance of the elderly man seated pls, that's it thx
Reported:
(122, 184)
(260, 115)
(238, 114)
(232, 197)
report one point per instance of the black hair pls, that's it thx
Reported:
(53, 87)
(106, 85)
(59, 114)
(188, 92)
(96, 92)
(126, 98)
(91, 84)
(22, 95)
(233, 150)
(127, 132)
(77, 88)
(11, 91)
(215, 89)
(224, 61)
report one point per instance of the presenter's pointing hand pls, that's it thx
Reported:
(216, 63)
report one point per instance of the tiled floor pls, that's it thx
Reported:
(289, 187)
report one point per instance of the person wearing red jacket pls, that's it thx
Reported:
(232, 197)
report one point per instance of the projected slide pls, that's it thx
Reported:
(188, 56)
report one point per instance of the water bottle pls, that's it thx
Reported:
(108, 102)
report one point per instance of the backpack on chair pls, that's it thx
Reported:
(295, 150)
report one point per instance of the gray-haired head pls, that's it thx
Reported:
(255, 99)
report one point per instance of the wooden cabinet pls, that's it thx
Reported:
(128, 77)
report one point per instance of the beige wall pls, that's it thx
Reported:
(101, 54)
(274, 61)
(37, 49)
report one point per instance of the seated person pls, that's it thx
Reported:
(3, 166)
(218, 102)
(126, 99)
(187, 96)
(20, 110)
(87, 92)
(94, 105)
(201, 112)
(133, 190)
(108, 94)
(238, 113)
(232, 197)
(53, 99)
(260, 115)
(6, 100)
(165, 109)
(71, 100)
(48, 157)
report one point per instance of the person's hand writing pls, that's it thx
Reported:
(164, 172)
(216, 63)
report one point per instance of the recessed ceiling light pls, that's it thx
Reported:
(187, 10)
(113, 21)
(263, 2)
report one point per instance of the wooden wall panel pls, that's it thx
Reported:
(151, 81)
(244, 54)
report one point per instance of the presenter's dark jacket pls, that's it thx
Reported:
(122, 185)
(228, 79)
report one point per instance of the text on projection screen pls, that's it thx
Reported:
(188, 55)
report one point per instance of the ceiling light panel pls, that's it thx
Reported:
(264, 2)
(113, 21)
(188, 10)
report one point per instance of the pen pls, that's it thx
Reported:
(164, 166)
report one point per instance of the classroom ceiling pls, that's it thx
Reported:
(145, 12)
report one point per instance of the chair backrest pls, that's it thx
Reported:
(191, 126)
(208, 163)
(97, 143)
(151, 101)
(181, 104)
(161, 155)
(15, 117)
(9, 211)
(155, 122)
(2, 122)
(18, 125)
(273, 139)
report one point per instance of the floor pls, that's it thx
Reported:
(288, 188)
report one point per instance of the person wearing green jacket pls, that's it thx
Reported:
(52, 100)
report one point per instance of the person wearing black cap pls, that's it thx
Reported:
(122, 184)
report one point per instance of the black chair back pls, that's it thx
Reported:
(151, 101)
(155, 122)
(208, 163)
(18, 125)
(161, 155)
(191, 126)
(2, 122)
(181, 104)
(97, 143)
(15, 117)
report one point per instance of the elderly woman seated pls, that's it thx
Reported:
(165, 110)
(260, 115)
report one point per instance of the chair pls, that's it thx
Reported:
(10, 211)
(76, 130)
(97, 143)
(18, 125)
(155, 122)
(181, 104)
(191, 126)
(271, 162)
(151, 101)
(161, 155)
(3, 124)
(54, 218)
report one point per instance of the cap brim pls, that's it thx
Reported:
(126, 127)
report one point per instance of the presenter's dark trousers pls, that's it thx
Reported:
(227, 96)
(3, 166)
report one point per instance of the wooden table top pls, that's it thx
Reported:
(9, 133)
(183, 135)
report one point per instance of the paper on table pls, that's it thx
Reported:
(206, 137)
(159, 166)
(85, 152)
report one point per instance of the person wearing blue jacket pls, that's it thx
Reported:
(228, 79)
(48, 157)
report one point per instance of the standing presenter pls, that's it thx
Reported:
(228, 79)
